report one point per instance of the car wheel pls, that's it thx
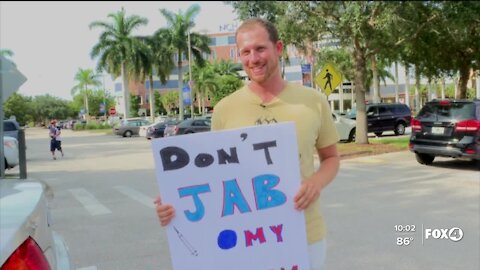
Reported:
(351, 136)
(378, 134)
(424, 159)
(399, 129)
(127, 133)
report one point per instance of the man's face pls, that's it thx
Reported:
(258, 54)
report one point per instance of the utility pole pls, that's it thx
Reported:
(190, 83)
(104, 98)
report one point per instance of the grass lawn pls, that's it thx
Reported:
(375, 147)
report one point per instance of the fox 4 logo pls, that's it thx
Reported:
(455, 234)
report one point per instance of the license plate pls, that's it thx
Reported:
(438, 130)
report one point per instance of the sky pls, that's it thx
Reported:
(52, 40)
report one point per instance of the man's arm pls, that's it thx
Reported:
(311, 188)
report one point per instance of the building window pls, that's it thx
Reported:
(213, 41)
(231, 40)
(232, 53)
(222, 41)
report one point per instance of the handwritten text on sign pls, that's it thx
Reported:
(233, 194)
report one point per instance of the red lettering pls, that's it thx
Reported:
(250, 237)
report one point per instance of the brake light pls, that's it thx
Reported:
(416, 125)
(28, 256)
(468, 126)
(444, 102)
(470, 151)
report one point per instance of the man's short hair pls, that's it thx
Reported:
(268, 26)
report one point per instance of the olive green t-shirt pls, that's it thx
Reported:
(315, 129)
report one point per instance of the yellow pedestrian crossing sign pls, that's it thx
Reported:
(328, 79)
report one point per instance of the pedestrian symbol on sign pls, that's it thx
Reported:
(328, 76)
(328, 79)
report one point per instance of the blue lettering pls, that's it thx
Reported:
(265, 195)
(232, 196)
(200, 208)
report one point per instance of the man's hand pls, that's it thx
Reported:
(165, 212)
(308, 193)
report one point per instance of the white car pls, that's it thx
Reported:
(142, 132)
(27, 239)
(10, 147)
(345, 127)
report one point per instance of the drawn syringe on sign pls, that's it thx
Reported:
(185, 242)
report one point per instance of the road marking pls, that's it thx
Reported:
(88, 268)
(89, 202)
(135, 195)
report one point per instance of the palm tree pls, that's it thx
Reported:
(205, 83)
(85, 78)
(156, 59)
(117, 47)
(176, 34)
(225, 67)
(6, 52)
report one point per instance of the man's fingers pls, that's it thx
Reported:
(165, 213)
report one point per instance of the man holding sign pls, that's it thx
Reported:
(270, 99)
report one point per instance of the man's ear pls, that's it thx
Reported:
(279, 47)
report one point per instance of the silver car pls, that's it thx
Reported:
(27, 239)
(130, 127)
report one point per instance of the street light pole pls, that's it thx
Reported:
(190, 83)
(104, 98)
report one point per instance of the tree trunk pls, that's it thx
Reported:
(180, 86)
(462, 82)
(360, 75)
(443, 87)
(407, 85)
(126, 92)
(152, 101)
(375, 81)
(87, 110)
(417, 89)
(199, 97)
(396, 82)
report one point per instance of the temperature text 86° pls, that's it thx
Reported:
(404, 241)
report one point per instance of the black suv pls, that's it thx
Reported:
(448, 128)
(386, 117)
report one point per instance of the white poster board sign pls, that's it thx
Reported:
(233, 194)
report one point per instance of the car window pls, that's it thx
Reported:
(384, 110)
(442, 112)
(9, 126)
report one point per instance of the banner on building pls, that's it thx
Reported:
(307, 75)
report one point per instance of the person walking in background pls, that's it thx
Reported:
(268, 98)
(55, 139)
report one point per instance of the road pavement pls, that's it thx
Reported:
(102, 191)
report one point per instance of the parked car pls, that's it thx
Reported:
(188, 126)
(28, 241)
(129, 127)
(385, 117)
(345, 127)
(447, 128)
(11, 128)
(10, 149)
(158, 129)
